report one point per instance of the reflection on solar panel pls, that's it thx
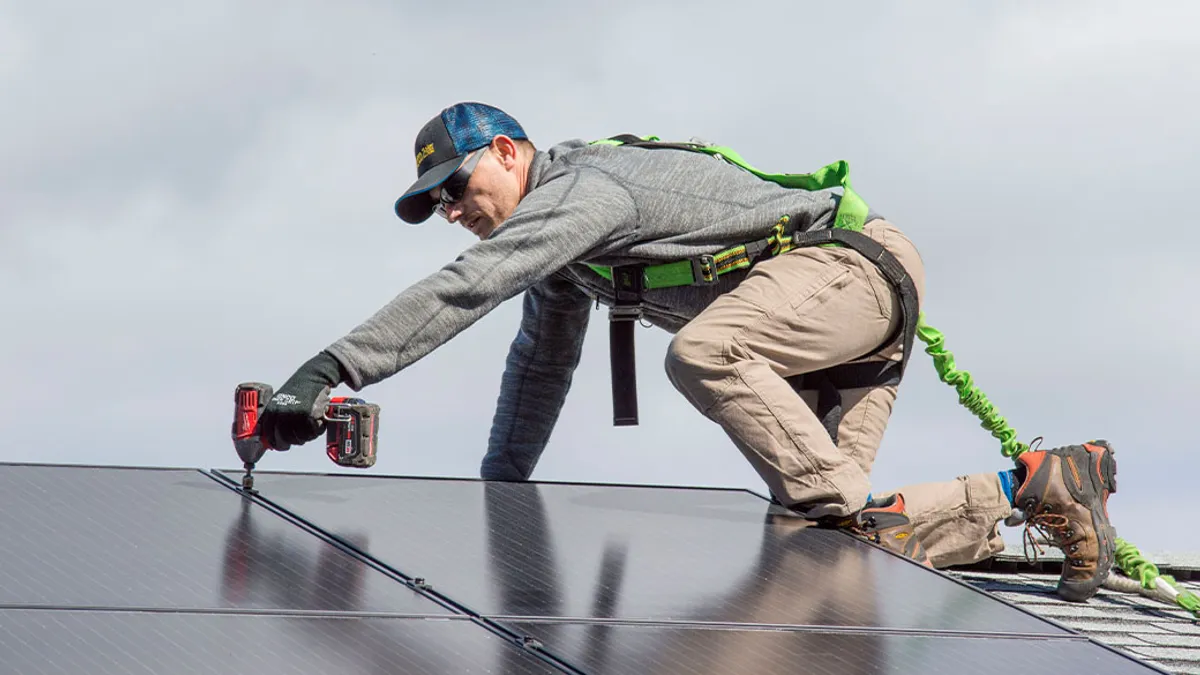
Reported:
(154, 570)
(634, 553)
(172, 538)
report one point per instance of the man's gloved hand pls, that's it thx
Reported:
(295, 414)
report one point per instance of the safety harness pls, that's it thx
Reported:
(631, 281)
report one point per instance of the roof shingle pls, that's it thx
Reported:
(1165, 635)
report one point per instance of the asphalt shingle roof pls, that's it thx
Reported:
(1148, 629)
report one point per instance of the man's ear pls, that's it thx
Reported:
(506, 150)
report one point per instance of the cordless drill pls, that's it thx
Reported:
(351, 429)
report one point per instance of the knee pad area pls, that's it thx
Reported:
(693, 352)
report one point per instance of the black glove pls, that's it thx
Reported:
(296, 413)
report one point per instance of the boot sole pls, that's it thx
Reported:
(1106, 467)
(1108, 474)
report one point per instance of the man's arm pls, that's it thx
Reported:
(537, 376)
(575, 215)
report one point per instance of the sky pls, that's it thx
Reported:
(194, 195)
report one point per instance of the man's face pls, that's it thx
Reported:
(484, 192)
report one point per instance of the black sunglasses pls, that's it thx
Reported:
(455, 186)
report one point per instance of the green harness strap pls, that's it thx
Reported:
(852, 212)
(851, 215)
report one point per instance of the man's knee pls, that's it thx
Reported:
(691, 355)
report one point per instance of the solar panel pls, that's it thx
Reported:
(608, 649)
(113, 537)
(120, 570)
(514, 550)
(62, 642)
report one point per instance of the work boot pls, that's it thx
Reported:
(885, 522)
(1065, 497)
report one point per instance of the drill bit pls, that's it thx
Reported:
(248, 479)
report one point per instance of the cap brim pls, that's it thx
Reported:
(415, 205)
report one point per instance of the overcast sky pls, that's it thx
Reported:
(196, 195)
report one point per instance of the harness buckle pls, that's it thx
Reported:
(625, 313)
(704, 270)
(629, 282)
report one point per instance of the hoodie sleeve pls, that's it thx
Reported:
(574, 214)
(537, 376)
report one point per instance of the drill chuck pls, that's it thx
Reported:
(249, 400)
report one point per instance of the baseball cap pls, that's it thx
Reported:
(442, 145)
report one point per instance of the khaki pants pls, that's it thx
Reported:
(805, 310)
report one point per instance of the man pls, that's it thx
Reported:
(545, 218)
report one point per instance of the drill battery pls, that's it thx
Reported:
(351, 431)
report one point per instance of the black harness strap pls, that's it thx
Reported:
(628, 285)
(829, 381)
(630, 139)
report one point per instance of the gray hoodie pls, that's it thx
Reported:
(599, 204)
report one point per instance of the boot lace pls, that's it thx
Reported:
(1055, 528)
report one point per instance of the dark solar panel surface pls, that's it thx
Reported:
(63, 642)
(514, 550)
(108, 570)
(110, 537)
(657, 650)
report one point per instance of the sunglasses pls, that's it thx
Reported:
(454, 187)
